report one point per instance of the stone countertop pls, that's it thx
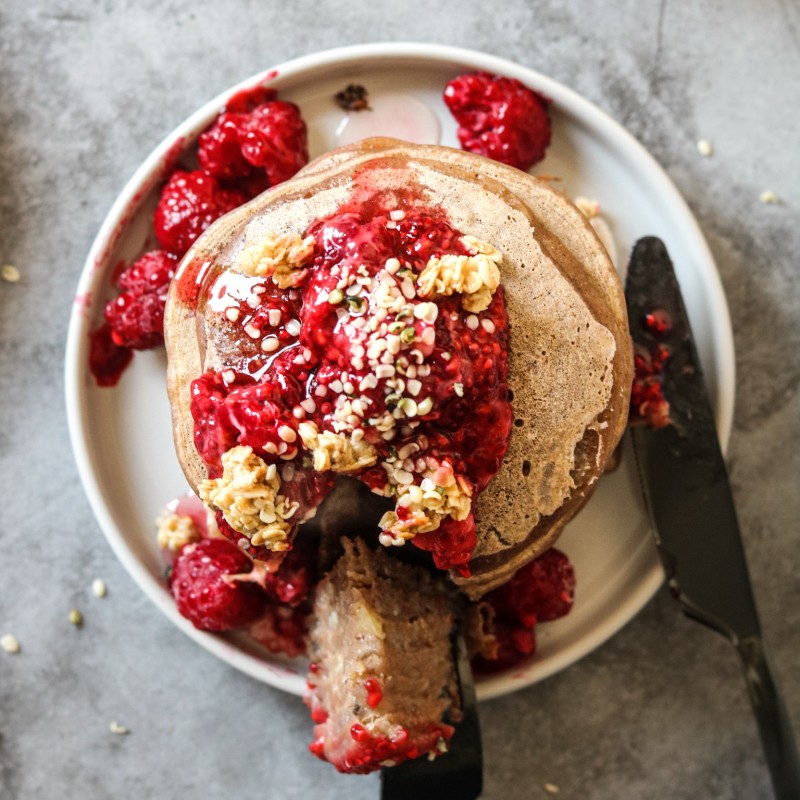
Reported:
(88, 88)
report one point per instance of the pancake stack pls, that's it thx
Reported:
(570, 360)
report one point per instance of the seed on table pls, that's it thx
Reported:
(76, 618)
(10, 643)
(99, 588)
(120, 730)
(705, 148)
(10, 273)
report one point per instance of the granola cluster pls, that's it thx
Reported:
(474, 277)
(283, 257)
(176, 530)
(335, 451)
(247, 495)
(421, 508)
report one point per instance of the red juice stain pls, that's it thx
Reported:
(189, 280)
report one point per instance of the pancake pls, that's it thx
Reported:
(570, 361)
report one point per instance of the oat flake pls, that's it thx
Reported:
(120, 730)
(10, 273)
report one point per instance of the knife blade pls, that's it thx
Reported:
(688, 495)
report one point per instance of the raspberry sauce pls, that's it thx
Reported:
(648, 404)
(541, 591)
(357, 351)
(368, 751)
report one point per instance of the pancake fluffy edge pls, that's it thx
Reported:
(570, 356)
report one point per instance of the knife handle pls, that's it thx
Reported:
(774, 726)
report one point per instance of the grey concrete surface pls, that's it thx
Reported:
(86, 90)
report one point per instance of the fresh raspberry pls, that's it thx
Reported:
(136, 322)
(538, 592)
(136, 316)
(541, 591)
(189, 203)
(107, 360)
(291, 583)
(151, 272)
(500, 118)
(219, 152)
(255, 131)
(203, 594)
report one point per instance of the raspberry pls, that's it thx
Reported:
(424, 235)
(240, 413)
(152, 272)
(219, 152)
(202, 593)
(541, 591)
(281, 629)
(189, 203)
(500, 118)
(107, 360)
(538, 592)
(136, 322)
(246, 100)
(136, 316)
(292, 582)
(255, 131)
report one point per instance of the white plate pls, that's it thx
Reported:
(122, 437)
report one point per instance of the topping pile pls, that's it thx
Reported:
(374, 345)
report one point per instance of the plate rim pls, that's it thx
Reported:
(149, 172)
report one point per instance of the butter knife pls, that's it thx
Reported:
(688, 496)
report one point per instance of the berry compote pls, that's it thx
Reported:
(648, 404)
(407, 389)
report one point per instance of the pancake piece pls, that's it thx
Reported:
(382, 678)
(569, 353)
